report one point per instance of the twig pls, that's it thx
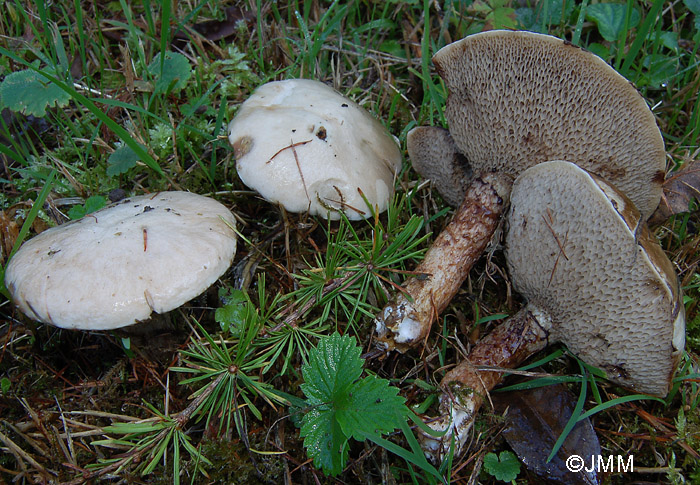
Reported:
(20, 453)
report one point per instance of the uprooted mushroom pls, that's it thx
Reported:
(516, 99)
(116, 266)
(303, 145)
(593, 277)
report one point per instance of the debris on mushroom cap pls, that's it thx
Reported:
(519, 98)
(303, 145)
(435, 156)
(116, 266)
(588, 261)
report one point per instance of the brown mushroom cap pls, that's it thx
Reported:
(435, 156)
(519, 98)
(580, 254)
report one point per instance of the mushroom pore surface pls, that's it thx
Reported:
(594, 279)
(434, 156)
(519, 98)
(113, 267)
(585, 260)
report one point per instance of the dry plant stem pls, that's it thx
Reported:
(465, 388)
(406, 320)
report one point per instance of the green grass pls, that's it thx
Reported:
(128, 116)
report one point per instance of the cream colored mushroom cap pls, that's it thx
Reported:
(301, 144)
(116, 266)
(519, 98)
(577, 253)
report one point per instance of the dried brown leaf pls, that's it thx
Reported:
(679, 189)
(214, 30)
(535, 418)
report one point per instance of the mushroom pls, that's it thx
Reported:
(301, 144)
(435, 156)
(116, 266)
(517, 99)
(594, 279)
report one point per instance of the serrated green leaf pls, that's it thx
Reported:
(30, 93)
(610, 19)
(324, 439)
(121, 160)
(175, 74)
(333, 366)
(504, 467)
(92, 204)
(340, 406)
(372, 407)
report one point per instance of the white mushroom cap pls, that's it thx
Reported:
(301, 144)
(520, 98)
(113, 267)
(579, 252)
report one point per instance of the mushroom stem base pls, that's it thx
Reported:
(467, 385)
(406, 320)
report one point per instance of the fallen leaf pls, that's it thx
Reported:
(220, 29)
(534, 421)
(9, 231)
(679, 189)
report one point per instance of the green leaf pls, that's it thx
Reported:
(693, 6)
(373, 407)
(543, 14)
(30, 93)
(175, 74)
(340, 406)
(610, 19)
(232, 315)
(660, 69)
(324, 439)
(121, 160)
(502, 18)
(504, 467)
(5, 385)
(90, 105)
(667, 39)
(600, 50)
(92, 204)
(333, 366)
